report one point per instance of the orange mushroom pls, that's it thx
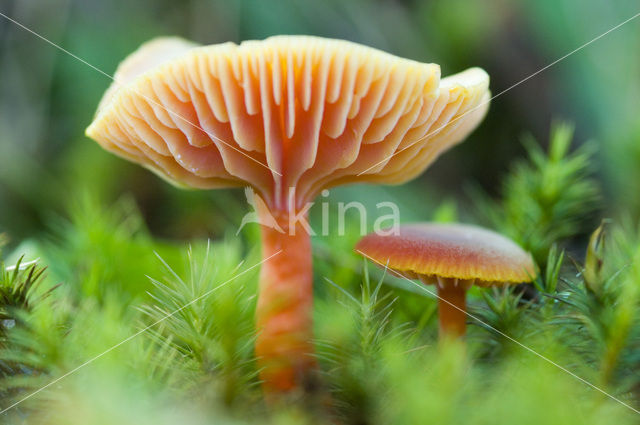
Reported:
(453, 257)
(288, 116)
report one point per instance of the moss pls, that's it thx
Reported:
(143, 330)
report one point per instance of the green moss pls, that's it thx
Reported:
(143, 330)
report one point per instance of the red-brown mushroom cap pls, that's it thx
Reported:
(452, 251)
(288, 111)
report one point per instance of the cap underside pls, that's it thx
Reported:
(289, 111)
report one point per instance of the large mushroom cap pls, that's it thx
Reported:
(454, 251)
(289, 111)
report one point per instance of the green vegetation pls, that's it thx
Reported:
(118, 249)
(165, 330)
(548, 198)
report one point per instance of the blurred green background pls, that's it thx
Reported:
(47, 97)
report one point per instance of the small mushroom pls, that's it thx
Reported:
(288, 116)
(453, 257)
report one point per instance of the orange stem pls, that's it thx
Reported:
(452, 309)
(283, 314)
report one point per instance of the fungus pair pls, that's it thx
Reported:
(289, 117)
(453, 257)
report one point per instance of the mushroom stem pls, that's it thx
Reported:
(452, 308)
(283, 314)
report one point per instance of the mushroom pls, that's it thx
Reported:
(288, 116)
(453, 257)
